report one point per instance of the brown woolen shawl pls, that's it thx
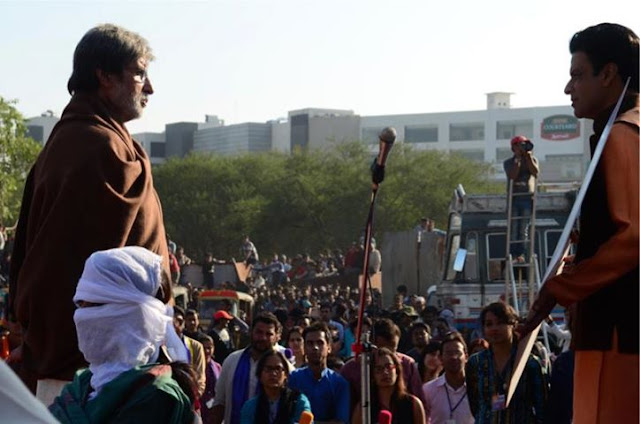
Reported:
(90, 189)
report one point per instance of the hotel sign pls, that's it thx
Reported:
(560, 127)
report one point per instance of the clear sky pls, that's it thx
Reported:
(256, 60)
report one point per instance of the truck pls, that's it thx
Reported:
(473, 273)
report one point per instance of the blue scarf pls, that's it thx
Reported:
(240, 385)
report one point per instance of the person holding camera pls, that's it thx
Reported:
(523, 169)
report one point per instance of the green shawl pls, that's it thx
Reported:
(146, 394)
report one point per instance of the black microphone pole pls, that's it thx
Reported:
(387, 137)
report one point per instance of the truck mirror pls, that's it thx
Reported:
(458, 264)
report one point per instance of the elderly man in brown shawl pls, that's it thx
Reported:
(90, 189)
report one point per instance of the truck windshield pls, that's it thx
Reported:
(495, 255)
(208, 307)
(471, 263)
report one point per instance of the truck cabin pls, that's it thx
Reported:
(238, 304)
(475, 254)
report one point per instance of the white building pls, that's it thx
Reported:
(560, 140)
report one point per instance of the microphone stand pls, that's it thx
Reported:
(418, 246)
(363, 348)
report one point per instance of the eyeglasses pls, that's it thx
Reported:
(273, 370)
(139, 75)
(386, 367)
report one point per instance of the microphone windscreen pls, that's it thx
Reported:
(307, 418)
(388, 135)
(384, 417)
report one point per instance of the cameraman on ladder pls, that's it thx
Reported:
(523, 169)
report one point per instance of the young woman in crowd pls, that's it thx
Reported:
(488, 373)
(430, 364)
(388, 392)
(276, 403)
(295, 342)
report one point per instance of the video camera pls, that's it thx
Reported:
(522, 141)
(527, 146)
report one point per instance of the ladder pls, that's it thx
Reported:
(531, 266)
(514, 293)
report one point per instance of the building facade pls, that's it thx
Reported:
(39, 127)
(154, 144)
(315, 128)
(179, 138)
(233, 139)
(560, 140)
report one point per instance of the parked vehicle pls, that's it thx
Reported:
(238, 304)
(474, 261)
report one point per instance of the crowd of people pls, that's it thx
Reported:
(424, 369)
(299, 355)
(278, 268)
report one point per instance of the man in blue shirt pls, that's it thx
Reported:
(327, 390)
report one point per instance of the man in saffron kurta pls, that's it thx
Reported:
(603, 282)
(90, 189)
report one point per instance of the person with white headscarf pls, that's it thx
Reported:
(126, 335)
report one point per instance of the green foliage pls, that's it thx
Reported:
(17, 154)
(306, 201)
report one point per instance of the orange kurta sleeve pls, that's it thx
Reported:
(619, 254)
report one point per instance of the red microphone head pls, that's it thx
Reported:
(384, 417)
(307, 418)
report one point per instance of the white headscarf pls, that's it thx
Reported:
(131, 324)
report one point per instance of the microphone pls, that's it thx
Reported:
(288, 353)
(384, 417)
(387, 137)
(306, 418)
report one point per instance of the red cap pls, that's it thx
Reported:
(222, 314)
(519, 139)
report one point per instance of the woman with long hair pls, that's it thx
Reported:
(388, 392)
(430, 363)
(488, 373)
(276, 403)
(295, 342)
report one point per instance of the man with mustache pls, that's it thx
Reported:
(90, 189)
(602, 285)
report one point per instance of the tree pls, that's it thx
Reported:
(308, 200)
(17, 154)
